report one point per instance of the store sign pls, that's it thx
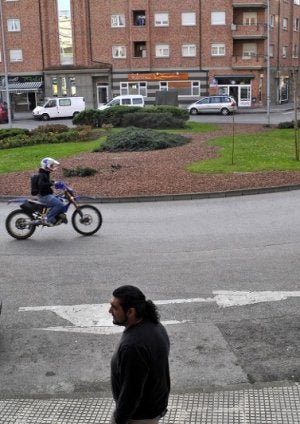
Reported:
(159, 76)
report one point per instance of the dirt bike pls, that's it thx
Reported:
(21, 223)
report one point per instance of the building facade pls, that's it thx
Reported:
(102, 48)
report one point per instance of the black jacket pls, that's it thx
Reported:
(44, 183)
(140, 372)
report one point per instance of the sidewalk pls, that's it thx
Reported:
(265, 405)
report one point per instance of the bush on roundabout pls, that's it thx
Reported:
(137, 139)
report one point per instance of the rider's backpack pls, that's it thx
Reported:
(35, 184)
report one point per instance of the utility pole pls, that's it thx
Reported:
(268, 64)
(5, 65)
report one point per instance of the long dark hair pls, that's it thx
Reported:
(132, 297)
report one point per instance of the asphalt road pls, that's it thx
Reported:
(199, 260)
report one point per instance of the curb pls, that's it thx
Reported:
(183, 196)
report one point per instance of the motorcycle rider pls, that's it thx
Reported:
(45, 193)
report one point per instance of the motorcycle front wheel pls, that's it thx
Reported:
(18, 225)
(86, 220)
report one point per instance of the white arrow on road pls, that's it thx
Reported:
(95, 318)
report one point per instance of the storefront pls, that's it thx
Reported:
(238, 87)
(25, 91)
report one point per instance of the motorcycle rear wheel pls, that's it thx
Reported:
(18, 225)
(87, 220)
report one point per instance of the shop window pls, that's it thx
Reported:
(64, 86)
(139, 18)
(73, 89)
(54, 87)
(184, 88)
(133, 88)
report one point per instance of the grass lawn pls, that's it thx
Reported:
(272, 150)
(29, 158)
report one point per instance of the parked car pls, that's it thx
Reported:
(129, 100)
(213, 104)
(4, 113)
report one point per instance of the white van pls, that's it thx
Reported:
(59, 107)
(129, 100)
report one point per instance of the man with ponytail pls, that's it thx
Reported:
(140, 365)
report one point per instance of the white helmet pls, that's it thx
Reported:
(49, 164)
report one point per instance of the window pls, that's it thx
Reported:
(133, 88)
(119, 52)
(64, 102)
(249, 50)
(188, 19)
(162, 50)
(72, 83)
(272, 21)
(117, 21)
(161, 19)
(284, 23)
(218, 18)
(271, 50)
(16, 55)
(139, 49)
(284, 51)
(65, 32)
(54, 84)
(188, 50)
(296, 1)
(13, 25)
(139, 17)
(297, 24)
(250, 18)
(295, 51)
(184, 88)
(218, 49)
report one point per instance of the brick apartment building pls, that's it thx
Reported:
(102, 48)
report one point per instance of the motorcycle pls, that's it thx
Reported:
(21, 223)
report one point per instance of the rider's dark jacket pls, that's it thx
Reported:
(140, 373)
(44, 183)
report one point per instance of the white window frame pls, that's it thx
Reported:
(117, 20)
(15, 55)
(297, 2)
(119, 52)
(137, 87)
(194, 92)
(272, 21)
(285, 23)
(297, 24)
(13, 25)
(295, 51)
(250, 18)
(218, 49)
(188, 18)
(189, 50)
(162, 50)
(284, 51)
(161, 19)
(249, 50)
(218, 18)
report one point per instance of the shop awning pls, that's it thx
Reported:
(24, 86)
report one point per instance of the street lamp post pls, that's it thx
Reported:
(5, 65)
(268, 63)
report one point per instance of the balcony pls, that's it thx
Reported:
(249, 61)
(253, 4)
(249, 32)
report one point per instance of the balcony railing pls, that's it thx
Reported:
(249, 61)
(256, 31)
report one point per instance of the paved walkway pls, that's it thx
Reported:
(265, 405)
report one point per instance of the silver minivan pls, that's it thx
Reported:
(129, 100)
(213, 104)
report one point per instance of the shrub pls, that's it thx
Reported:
(136, 139)
(92, 117)
(79, 172)
(175, 111)
(152, 120)
(11, 132)
(52, 128)
(288, 124)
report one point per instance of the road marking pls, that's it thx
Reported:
(95, 319)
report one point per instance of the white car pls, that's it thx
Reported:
(213, 104)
